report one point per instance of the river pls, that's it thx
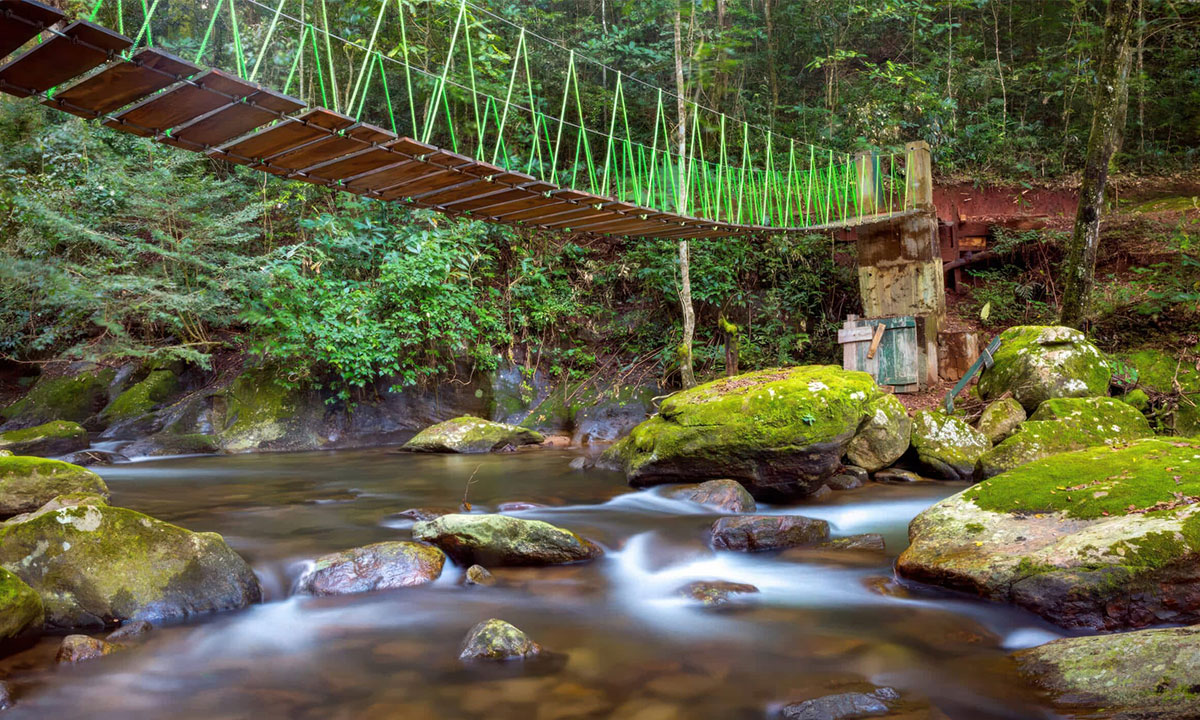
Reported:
(623, 643)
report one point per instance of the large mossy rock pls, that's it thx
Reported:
(883, 437)
(256, 412)
(20, 607)
(133, 409)
(498, 540)
(779, 431)
(1036, 363)
(95, 565)
(57, 437)
(946, 446)
(1001, 418)
(470, 435)
(1099, 538)
(380, 566)
(73, 398)
(28, 483)
(1142, 674)
(1062, 425)
(1160, 372)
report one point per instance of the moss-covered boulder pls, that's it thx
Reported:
(883, 437)
(1164, 372)
(95, 565)
(73, 398)
(1141, 674)
(498, 540)
(380, 566)
(28, 483)
(257, 412)
(57, 437)
(946, 446)
(778, 432)
(1036, 363)
(20, 608)
(1001, 419)
(164, 444)
(470, 435)
(497, 640)
(134, 407)
(1107, 537)
(1062, 425)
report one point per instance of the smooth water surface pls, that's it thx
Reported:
(624, 643)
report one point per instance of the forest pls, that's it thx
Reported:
(705, 358)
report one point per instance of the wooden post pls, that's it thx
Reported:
(919, 169)
(868, 198)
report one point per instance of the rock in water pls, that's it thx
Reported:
(724, 495)
(845, 481)
(716, 593)
(946, 446)
(778, 432)
(872, 542)
(27, 483)
(896, 476)
(135, 630)
(843, 706)
(1001, 418)
(1036, 363)
(883, 438)
(752, 533)
(1105, 538)
(80, 648)
(1147, 673)
(20, 607)
(479, 575)
(96, 565)
(381, 566)
(1064, 424)
(470, 435)
(497, 640)
(57, 437)
(499, 540)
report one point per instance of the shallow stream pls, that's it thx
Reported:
(625, 644)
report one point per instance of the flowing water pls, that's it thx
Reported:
(624, 643)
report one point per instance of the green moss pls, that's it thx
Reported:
(946, 445)
(54, 429)
(27, 483)
(20, 606)
(1098, 481)
(142, 397)
(1160, 371)
(257, 411)
(470, 435)
(75, 398)
(1137, 398)
(974, 528)
(1037, 362)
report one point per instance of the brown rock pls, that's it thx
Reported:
(78, 648)
(381, 566)
(752, 533)
(724, 495)
(478, 575)
(716, 593)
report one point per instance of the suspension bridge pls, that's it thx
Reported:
(440, 104)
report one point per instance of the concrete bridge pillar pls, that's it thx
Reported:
(899, 264)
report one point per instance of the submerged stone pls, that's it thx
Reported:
(380, 566)
(1105, 538)
(96, 565)
(717, 593)
(1036, 363)
(1001, 418)
(843, 706)
(946, 446)
(1147, 673)
(27, 483)
(497, 640)
(897, 476)
(500, 540)
(778, 432)
(1062, 425)
(754, 533)
(57, 437)
(724, 495)
(81, 648)
(470, 435)
(133, 630)
(478, 575)
(883, 437)
(872, 542)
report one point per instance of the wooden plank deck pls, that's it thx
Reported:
(181, 104)
(30, 19)
(123, 83)
(60, 58)
(233, 120)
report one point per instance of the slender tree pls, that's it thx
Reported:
(685, 276)
(1108, 123)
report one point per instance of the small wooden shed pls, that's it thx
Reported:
(886, 348)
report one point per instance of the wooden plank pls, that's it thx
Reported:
(234, 120)
(465, 191)
(287, 135)
(356, 164)
(181, 104)
(357, 137)
(876, 338)
(31, 18)
(499, 196)
(569, 219)
(392, 176)
(524, 202)
(57, 60)
(855, 334)
(118, 85)
(413, 148)
(548, 206)
(443, 179)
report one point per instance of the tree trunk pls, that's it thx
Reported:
(772, 58)
(1108, 123)
(685, 278)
